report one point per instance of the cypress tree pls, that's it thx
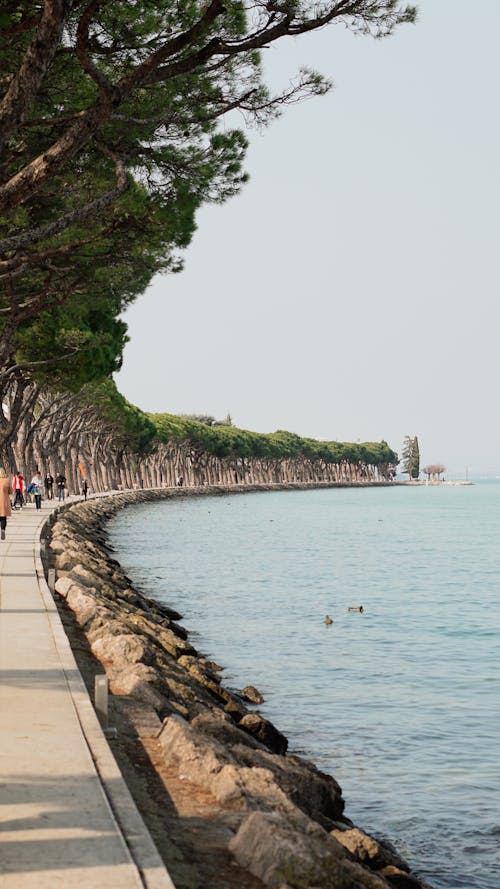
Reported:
(415, 459)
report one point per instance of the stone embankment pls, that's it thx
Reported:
(283, 819)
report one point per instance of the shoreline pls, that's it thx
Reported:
(211, 751)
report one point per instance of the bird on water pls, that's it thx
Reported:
(328, 620)
(356, 608)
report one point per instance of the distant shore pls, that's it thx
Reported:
(433, 482)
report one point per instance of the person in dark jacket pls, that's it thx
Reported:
(61, 486)
(49, 484)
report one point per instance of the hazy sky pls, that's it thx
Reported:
(351, 291)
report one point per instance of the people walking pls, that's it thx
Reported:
(36, 488)
(61, 486)
(85, 488)
(5, 507)
(49, 484)
(18, 488)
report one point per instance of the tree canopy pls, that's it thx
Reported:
(111, 135)
(229, 441)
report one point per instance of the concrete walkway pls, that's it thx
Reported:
(66, 816)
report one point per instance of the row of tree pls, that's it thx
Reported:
(97, 433)
(112, 134)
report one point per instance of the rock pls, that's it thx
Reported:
(137, 681)
(265, 731)
(121, 650)
(292, 850)
(219, 725)
(211, 665)
(194, 757)
(83, 576)
(81, 603)
(197, 667)
(159, 608)
(250, 693)
(367, 850)
(400, 879)
(315, 793)
(63, 585)
(175, 646)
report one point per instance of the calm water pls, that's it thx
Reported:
(401, 703)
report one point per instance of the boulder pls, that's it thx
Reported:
(400, 879)
(252, 694)
(367, 850)
(219, 725)
(291, 849)
(250, 788)
(265, 731)
(82, 603)
(314, 792)
(198, 760)
(83, 576)
(63, 585)
(121, 650)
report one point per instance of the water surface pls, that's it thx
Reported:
(400, 703)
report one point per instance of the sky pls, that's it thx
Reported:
(350, 292)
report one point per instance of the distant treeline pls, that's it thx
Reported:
(98, 433)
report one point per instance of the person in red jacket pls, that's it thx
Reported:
(5, 508)
(18, 488)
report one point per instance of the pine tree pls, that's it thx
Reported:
(410, 459)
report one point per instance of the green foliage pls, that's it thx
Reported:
(410, 461)
(111, 139)
(415, 459)
(225, 441)
(130, 428)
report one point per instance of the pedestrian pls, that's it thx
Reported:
(36, 488)
(85, 488)
(49, 484)
(180, 481)
(5, 507)
(18, 488)
(61, 485)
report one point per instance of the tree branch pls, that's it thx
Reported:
(25, 83)
(64, 222)
(29, 364)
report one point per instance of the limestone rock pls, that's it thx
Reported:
(249, 788)
(292, 850)
(121, 650)
(82, 603)
(252, 694)
(314, 792)
(194, 757)
(265, 731)
(83, 576)
(400, 879)
(367, 850)
(63, 585)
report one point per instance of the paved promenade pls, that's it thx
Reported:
(66, 816)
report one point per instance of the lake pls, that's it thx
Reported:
(401, 703)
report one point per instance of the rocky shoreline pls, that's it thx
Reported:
(277, 819)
